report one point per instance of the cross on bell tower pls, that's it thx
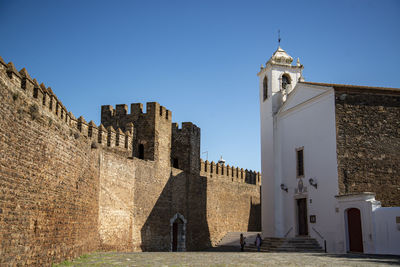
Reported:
(279, 37)
(276, 81)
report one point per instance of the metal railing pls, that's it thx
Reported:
(318, 233)
(287, 233)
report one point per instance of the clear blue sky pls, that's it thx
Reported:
(197, 58)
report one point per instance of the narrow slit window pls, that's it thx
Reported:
(35, 92)
(300, 162)
(265, 88)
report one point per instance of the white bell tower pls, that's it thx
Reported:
(276, 81)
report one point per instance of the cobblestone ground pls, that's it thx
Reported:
(229, 259)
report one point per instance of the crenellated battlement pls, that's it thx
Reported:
(234, 174)
(105, 199)
(185, 150)
(186, 127)
(152, 129)
(120, 115)
(48, 102)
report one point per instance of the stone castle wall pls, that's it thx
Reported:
(70, 187)
(232, 203)
(364, 120)
(49, 181)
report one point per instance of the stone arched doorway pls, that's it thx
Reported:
(178, 233)
(354, 230)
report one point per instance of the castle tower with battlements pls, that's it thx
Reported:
(134, 183)
(152, 129)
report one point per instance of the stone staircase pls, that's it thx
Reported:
(231, 241)
(296, 244)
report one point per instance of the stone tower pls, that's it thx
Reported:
(185, 148)
(152, 130)
(276, 81)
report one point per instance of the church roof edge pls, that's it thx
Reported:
(341, 87)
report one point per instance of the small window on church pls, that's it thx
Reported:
(141, 151)
(265, 88)
(285, 81)
(300, 162)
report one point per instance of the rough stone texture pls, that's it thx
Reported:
(69, 187)
(151, 129)
(116, 202)
(185, 152)
(233, 205)
(49, 180)
(368, 142)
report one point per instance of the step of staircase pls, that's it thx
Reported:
(296, 244)
(231, 241)
(233, 238)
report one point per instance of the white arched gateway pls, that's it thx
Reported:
(178, 233)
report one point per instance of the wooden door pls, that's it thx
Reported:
(354, 230)
(302, 216)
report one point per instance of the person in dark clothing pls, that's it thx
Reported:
(258, 242)
(242, 242)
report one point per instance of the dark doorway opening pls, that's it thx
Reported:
(302, 216)
(175, 163)
(141, 151)
(177, 235)
(354, 230)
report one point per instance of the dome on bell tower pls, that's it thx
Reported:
(281, 57)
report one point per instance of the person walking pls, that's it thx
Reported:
(242, 242)
(258, 242)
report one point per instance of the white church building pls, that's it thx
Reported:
(314, 182)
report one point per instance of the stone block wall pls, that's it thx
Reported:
(49, 180)
(68, 187)
(368, 141)
(116, 202)
(152, 130)
(185, 150)
(233, 199)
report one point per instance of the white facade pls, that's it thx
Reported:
(297, 117)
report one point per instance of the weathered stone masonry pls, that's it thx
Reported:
(368, 135)
(69, 187)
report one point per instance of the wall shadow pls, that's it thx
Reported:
(254, 224)
(185, 194)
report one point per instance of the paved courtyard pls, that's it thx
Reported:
(219, 259)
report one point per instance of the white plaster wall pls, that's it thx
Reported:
(312, 126)
(267, 166)
(387, 231)
(365, 202)
(270, 190)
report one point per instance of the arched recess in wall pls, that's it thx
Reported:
(354, 238)
(178, 233)
(141, 151)
(286, 81)
(265, 88)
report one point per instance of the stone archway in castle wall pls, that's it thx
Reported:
(178, 233)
